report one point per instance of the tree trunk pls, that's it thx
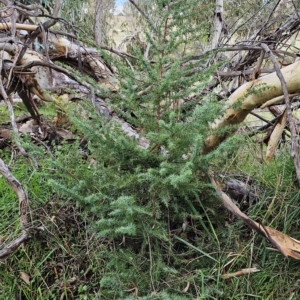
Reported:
(98, 27)
(218, 23)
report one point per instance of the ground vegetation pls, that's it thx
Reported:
(134, 174)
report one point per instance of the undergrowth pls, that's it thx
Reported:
(114, 220)
(69, 257)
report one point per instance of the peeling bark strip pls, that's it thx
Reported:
(276, 136)
(17, 187)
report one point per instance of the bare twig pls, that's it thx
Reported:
(44, 64)
(244, 72)
(17, 187)
(9, 82)
(120, 53)
(7, 251)
(26, 7)
(43, 144)
(46, 25)
(70, 35)
(261, 118)
(228, 38)
(294, 135)
(264, 25)
(257, 70)
(12, 118)
(296, 9)
(142, 12)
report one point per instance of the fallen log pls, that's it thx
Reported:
(251, 95)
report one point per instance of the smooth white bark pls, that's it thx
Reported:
(249, 96)
(218, 23)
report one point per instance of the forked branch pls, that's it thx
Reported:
(23, 209)
(294, 135)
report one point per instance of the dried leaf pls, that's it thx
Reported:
(286, 245)
(65, 134)
(25, 277)
(5, 134)
(60, 119)
(276, 136)
(28, 127)
(239, 273)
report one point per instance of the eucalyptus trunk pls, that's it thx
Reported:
(98, 27)
(218, 23)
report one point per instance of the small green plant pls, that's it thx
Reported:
(137, 198)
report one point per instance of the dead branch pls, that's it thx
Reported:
(244, 72)
(286, 245)
(7, 251)
(240, 273)
(267, 21)
(257, 70)
(28, 27)
(23, 68)
(142, 12)
(261, 118)
(46, 25)
(267, 87)
(290, 119)
(12, 118)
(120, 53)
(23, 209)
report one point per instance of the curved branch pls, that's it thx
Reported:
(290, 119)
(249, 96)
(12, 117)
(142, 12)
(17, 187)
(46, 25)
